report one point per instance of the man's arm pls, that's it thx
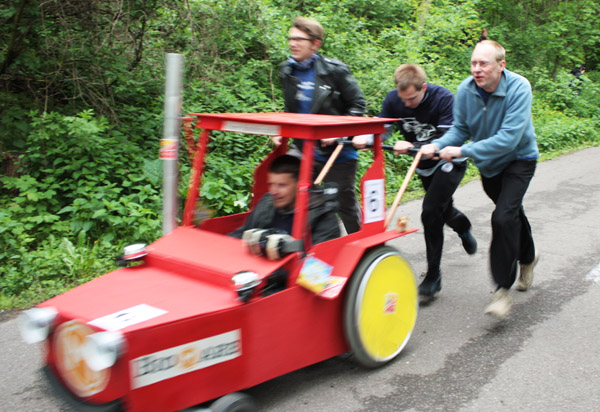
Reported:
(247, 225)
(446, 111)
(261, 213)
(459, 132)
(352, 96)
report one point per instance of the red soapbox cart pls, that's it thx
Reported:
(190, 323)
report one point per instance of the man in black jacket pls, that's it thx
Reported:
(316, 84)
(275, 210)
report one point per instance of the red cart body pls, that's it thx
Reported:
(188, 337)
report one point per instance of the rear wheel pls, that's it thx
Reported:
(234, 402)
(381, 307)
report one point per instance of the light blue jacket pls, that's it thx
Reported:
(501, 131)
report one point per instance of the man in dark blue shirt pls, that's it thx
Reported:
(425, 111)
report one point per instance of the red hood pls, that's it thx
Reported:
(186, 273)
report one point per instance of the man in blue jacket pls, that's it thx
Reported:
(493, 109)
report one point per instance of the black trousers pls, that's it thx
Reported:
(438, 209)
(344, 175)
(512, 241)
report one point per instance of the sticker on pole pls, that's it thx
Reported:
(168, 149)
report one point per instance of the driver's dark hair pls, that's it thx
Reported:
(286, 164)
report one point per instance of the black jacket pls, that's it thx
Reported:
(336, 90)
(322, 219)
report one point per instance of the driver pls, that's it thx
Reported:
(275, 210)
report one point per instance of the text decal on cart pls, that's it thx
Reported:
(168, 363)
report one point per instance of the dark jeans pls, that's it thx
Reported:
(438, 209)
(512, 240)
(344, 175)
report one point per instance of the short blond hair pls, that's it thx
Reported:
(500, 53)
(409, 74)
(309, 26)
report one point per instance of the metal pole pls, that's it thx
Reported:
(170, 142)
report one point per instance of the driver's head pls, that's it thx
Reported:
(282, 181)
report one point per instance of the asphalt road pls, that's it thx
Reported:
(544, 357)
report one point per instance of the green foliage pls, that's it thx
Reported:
(78, 180)
(558, 132)
(552, 34)
(55, 266)
(81, 101)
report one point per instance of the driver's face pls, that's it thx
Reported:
(282, 186)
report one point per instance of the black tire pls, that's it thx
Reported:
(381, 306)
(234, 402)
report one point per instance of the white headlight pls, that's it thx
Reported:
(102, 349)
(245, 283)
(245, 279)
(134, 252)
(35, 323)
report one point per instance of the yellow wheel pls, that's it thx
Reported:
(381, 307)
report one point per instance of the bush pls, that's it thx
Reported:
(54, 266)
(558, 132)
(79, 182)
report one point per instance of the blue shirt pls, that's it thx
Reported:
(305, 72)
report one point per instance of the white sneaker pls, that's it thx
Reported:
(526, 274)
(500, 305)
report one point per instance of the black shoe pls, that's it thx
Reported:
(430, 286)
(468, 242)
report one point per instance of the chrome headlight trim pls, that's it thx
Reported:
(102, 349)
(35, 323)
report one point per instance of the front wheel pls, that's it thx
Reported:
(234, 402)
(380, 311)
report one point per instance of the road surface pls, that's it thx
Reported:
(544, 356)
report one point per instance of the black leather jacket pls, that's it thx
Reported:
(321, 218)
(336, 90)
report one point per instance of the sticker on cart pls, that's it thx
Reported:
(333, 288)
(127, 317)
(315, 275)
(374, 200)
(182, 359)
(390, 302)
(251, 128)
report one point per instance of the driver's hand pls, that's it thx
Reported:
(329, 141)
(429, 150)
(450, 152)
(276, 140)
(401, 147)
